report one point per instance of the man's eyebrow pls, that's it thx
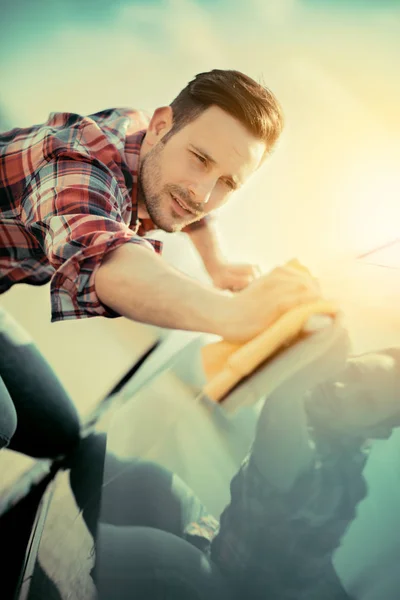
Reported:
(205, 154)
(212, 160)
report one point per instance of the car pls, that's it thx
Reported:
(159, 412)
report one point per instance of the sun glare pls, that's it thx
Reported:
(373, 193)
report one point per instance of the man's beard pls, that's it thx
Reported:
(151, 193)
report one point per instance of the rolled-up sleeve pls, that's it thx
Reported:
(74, 210)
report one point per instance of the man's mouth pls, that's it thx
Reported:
(183, 205)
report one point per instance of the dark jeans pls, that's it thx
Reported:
(37, 417)
(136, 512)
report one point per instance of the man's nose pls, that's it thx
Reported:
(201, 191)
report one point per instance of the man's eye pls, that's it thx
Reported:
(201, 158)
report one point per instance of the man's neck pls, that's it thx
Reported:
(141, 206)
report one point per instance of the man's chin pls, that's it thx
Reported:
(168, 220)
(173, 228)
(170, 226)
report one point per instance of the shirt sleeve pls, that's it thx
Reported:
(74, 209)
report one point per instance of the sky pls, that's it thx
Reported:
(331, 188)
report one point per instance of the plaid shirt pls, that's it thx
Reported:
(68, 195)
(251, 545)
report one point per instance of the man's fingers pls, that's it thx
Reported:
(240, 282)
(289, 301)
(245, 270)
(280, 284)
(291, 274)
(240, 276)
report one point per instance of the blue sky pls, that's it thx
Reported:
(57, 39)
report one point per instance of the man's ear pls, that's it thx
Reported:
(160, 124)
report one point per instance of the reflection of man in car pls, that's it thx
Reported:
(78, 194)
(292, 500)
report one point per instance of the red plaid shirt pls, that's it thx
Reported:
(68, 195)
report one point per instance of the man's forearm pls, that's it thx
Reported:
(205, 240)
(140, 285)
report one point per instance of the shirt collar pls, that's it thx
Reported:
(132, 150)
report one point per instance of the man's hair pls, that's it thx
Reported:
(251, 103)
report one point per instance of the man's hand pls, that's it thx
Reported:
(233, 277)
(265, 300)
(224, 275)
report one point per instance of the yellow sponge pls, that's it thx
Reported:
(225, 364)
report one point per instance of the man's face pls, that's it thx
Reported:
(197, 169)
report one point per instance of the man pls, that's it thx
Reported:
(77, 195)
